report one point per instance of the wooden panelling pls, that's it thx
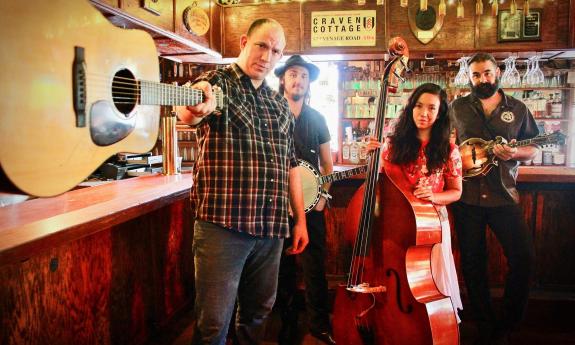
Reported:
(116, 286)
(470, 33)
(549, 210)
(207, 6)
(237, 20)
(554, 237)
(166, 8)
(554, 24)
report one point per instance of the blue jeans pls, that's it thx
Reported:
(230, 265)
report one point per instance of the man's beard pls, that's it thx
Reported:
(485, 90)
(296, 96)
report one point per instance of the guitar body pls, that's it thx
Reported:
(43, 151)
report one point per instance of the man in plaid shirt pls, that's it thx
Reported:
(244, 178)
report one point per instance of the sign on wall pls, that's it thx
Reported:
(343, 28)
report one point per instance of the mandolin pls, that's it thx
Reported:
(75, 91)
(477, 154)
(312, 180)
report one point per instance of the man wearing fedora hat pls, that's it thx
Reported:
(311, 139)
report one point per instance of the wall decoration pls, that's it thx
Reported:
(152, 6)
(425, 25)
(343, 28)
(518, 27)
(196, 20)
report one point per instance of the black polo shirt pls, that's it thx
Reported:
(511, 119)
(310, 132)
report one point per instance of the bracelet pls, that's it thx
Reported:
(325, 194)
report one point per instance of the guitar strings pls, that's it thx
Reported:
(159, 93)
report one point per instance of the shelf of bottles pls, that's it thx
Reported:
(549, 108)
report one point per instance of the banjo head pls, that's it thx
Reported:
(310, 186)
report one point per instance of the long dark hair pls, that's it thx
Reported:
(404, 142)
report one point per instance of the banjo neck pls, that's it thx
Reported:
(340, 175)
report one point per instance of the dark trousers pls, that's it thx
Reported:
(508, 225)
(312, 261)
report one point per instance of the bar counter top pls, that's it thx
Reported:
(42, 223)
(538, 174)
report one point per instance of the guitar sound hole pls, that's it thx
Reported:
(125, 91)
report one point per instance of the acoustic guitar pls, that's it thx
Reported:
(75, 91)
(312, 180)
(477, 156)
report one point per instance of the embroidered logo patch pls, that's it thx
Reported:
(507, 116)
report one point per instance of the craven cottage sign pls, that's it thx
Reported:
(343, 28)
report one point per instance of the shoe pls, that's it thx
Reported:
(326, 337)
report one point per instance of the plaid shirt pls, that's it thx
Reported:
(241, 176)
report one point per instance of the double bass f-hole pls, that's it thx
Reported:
(409, 308)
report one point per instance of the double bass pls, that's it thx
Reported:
(390, 297)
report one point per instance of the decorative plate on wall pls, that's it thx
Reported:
(196, 20)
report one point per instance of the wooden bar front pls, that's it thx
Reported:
(548, 201)
(110, 264)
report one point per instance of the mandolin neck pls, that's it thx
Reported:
(542, 139)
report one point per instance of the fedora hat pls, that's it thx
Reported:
(298, 60)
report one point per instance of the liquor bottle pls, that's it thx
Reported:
(557, 106)
(354, 152)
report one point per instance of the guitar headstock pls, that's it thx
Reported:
(395, 70)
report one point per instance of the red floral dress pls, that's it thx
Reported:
(418, 170)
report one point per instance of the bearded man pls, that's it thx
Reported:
(492, 199)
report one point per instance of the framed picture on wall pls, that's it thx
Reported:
(518, 27)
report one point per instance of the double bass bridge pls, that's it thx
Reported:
(365, 288)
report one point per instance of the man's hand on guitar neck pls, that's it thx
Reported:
(504, 151)
(194, 114)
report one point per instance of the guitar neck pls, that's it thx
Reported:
(340, 175)
(153, 93)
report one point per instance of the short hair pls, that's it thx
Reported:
(480, 57)
(256, 24)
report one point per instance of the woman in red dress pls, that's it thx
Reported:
(420, 144)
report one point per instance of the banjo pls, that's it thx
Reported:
(311, 181)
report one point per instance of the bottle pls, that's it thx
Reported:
(345, 146)
(557, 106)
(363, 151)
(538, 158)
(354, 152)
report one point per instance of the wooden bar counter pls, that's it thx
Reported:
(110, 264)
(548, 201)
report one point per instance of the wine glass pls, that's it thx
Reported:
(537, 76)
(462, 77)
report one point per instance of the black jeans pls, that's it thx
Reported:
(312, 261)
(508, 225)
